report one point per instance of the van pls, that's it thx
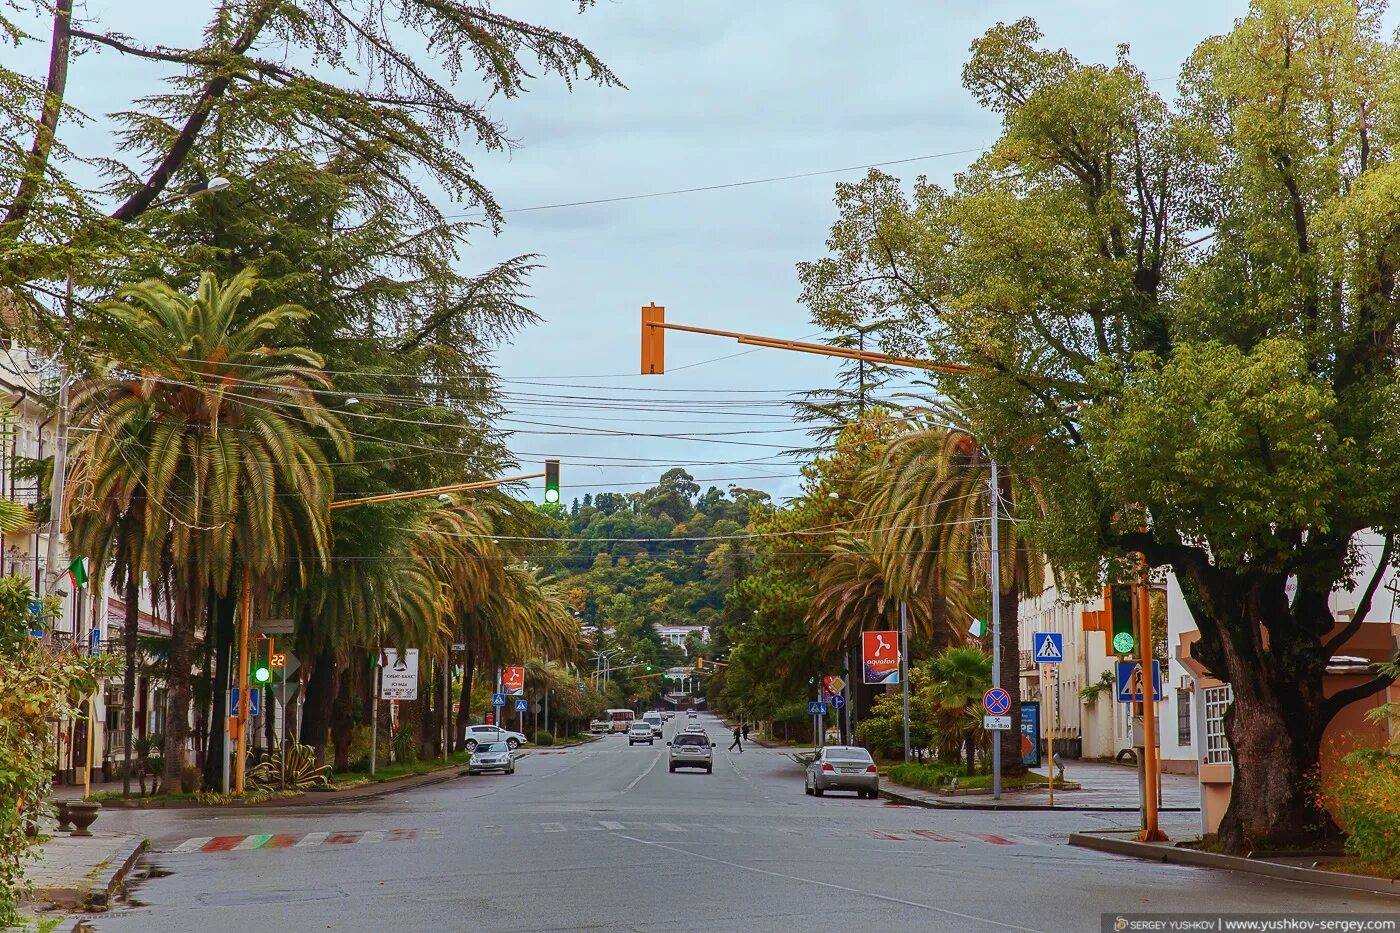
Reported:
(654, 720)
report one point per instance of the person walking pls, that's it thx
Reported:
(736, 743)
(746, 732)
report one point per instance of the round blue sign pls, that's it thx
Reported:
(997, 701)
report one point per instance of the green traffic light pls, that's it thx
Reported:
(1124, 639)
(1123, 643)
(262, 675)
(551, 481)
(262, 660)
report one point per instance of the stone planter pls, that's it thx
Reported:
(83, 813)
(65, 821)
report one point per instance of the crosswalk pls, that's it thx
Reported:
(264, 841)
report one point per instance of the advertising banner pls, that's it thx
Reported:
(881, 654)
(513, 681)
(399, 680)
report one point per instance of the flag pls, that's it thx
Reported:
(978, 628)
(77, 572)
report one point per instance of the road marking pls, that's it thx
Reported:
(878, 834)
(552, 827)
(342, 839)
(827, 884)
(221, 843)
(311, 839)
(494, 831)
(282, 841)
(936, 837)
(402, 834)
(609, 824)
(992, 838)
(637, 780)
(189, 845)
(374, 835)
(251, 842)
(670, 827)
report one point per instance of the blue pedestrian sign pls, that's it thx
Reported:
(520, 706)
(1049, 647)
(498, 699)
(816, 708)
(838, 701)
(1130, 681)
(997, 701)
(94, 643)
(254, 702)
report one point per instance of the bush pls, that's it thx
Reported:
(406, 746)
(191, 780)
(542, 738)
(1363, 792)
(930, 777)
(359, 765)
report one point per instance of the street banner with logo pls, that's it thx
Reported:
(399, 679)
(881, 654)
(513, 681)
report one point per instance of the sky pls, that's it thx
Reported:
(718, 92)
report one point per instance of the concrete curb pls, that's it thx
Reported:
(98, 895)
(1165, 852)
(912, 800)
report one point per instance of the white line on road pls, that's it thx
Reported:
(608, 824)
(374, 835)
(828, 884)
(552, 827)
(310, 839)
(636, 780)
(189, 845)
(670, 827)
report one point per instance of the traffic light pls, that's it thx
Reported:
(262, 660)
(653, 341)
(648, 668)
(1124, 628)
(551, 481)
(699, 664)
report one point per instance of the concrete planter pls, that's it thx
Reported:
(65, 821)
(83, 813)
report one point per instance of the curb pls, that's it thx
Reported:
(1163, 852)
(98, 896)
(899, 797)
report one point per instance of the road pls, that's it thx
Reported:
(602, 837)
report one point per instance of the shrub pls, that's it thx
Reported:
(542, 738)
(406, 746)
(1362, 790)
(930, 777)
(191, 780)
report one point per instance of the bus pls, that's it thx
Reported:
(620, 719)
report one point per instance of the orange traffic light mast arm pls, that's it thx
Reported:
(436, 490)
(653, 360)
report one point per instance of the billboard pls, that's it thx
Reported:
(399, 674)
(513, 681)
(881, 653)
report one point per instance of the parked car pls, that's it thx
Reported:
(495, 756)
(482, 734)
(692, 750)
(640, 731)
(600, 727)
(843, 767)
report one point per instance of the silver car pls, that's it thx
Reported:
(691, 750)
(493, 757)
(640, 731)
(843, 767)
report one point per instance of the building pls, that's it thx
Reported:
(677, 634)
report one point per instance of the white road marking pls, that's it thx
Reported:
(374, 835)
(493, 830)
(609, 824)
(310, 839)
(552, 827)
(189, 845)
(670, 827)
(251, 842)
(828, 884)
(637, 780)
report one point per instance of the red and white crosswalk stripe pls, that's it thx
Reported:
(250, 841)
(929, 835)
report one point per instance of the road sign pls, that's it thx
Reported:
(498, 699)
(838, 701)
(1130, 681)
(996, 723)
(94, 642)
(521, 706)
(833, 683)
(816, 708)
(997, 702)
(254, 702)
(513, 681)
(1049, 647)
(273, 626)
(399, 677)
(881, 654)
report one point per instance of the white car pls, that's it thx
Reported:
(693, 729)
(691, 714)
(495, 756)
(692, 750)
(484, 734)
(640, 731)
(655, 721)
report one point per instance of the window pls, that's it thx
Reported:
(1183, 717)
(1217, 700)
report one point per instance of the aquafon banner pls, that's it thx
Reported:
(881, 654)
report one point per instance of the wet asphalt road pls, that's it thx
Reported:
(602, 837)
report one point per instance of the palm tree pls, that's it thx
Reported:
(960, 676)
(217, 438)
(927, 505)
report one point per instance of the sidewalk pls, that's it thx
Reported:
(1101, 787)
(82, 872)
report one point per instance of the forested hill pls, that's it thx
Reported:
(666, 555)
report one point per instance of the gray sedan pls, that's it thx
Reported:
(843, 767)
(493, 757)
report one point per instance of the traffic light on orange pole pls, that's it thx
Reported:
(653, 340)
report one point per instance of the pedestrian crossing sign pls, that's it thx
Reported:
(1049, 647)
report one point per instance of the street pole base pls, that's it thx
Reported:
(1152, 835)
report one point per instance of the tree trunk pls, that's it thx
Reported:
(342, 714)
(177, 717)
(1012, 764)
(320, 697)
(131, 596)
(215, 761)
(465, 702)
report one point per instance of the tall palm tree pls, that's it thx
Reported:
(220, 432)
(927, 501)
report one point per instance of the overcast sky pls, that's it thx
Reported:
(718, 91)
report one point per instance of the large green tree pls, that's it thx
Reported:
(1182, 317)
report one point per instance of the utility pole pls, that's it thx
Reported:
(904, 673)
(995, 490)
(245, 625)
(1151, 831)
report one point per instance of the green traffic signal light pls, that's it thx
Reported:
(551, 481)
(262, 664)
(1124, 638)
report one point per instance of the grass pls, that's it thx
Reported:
(1351, 865)
(937, 776)
(344, 779)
